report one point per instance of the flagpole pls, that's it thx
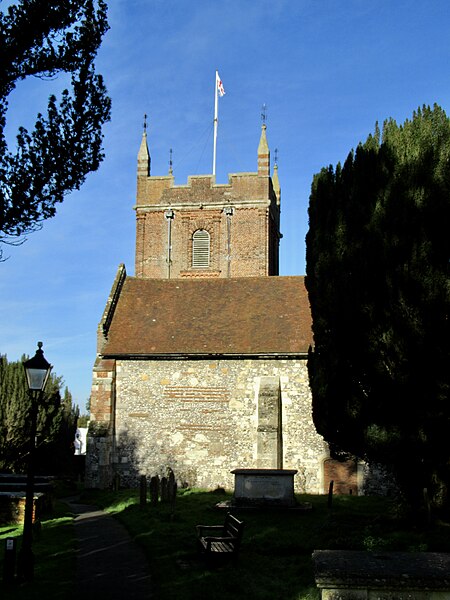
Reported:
(216, 120)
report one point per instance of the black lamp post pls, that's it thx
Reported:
(37, 371)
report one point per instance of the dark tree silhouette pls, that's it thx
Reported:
(56, 423)
(42, 38)
(378, 251)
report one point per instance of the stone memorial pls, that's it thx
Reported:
(164, 489)
(143, 491)
(154, 490)
(171, 488)
(359, 575)
(264, 487)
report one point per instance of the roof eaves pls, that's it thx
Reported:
(203, 356)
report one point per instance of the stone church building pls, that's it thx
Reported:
(202, 355)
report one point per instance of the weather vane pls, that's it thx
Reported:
(264, 113)
(170, 162)
(145, 123)
(276, 156)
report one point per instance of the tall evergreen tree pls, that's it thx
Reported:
(42, 38)
(56, 423)
(83, 419)
(56, 447)
(378, 251)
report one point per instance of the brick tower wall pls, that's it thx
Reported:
(242, 218)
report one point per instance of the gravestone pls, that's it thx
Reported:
(164, 490)
(143, 491)
(172, 491)
(154, 490)
(171, 487)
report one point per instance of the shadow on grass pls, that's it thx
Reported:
(54, 552)
(275, 556)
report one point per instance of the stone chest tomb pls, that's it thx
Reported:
(264, 487)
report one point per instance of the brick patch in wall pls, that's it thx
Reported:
(200, 427)
(139, 415)
(197, 394)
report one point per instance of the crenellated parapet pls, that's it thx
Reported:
(242, 189)
(240, 221)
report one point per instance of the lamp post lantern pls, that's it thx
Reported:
(37, 371)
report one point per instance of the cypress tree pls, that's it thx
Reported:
(378, 252)
(56, 423)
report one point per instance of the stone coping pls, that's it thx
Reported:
(339, 569)
(300, 507)
(278, 472)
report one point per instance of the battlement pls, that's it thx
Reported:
(203, 229)
(242, 189)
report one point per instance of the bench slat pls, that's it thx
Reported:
(221, 547)
(227, 543)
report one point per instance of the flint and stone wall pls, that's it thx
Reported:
(204, 418)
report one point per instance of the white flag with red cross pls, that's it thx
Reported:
(219, 84)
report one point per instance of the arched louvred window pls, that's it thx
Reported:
(200, 249)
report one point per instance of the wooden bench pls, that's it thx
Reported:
(216, 541)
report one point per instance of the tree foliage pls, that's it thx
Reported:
(83, 419)
(43, 38)
(378, 251)
(56, 423)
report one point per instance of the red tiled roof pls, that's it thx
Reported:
(260, 315)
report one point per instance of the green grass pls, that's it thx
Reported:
(54, 552)
(275, 558)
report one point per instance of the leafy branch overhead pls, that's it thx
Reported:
(43, 38)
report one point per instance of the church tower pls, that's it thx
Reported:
(204, 229)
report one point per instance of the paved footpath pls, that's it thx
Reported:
(109, 564)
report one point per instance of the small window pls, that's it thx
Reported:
(200, 249)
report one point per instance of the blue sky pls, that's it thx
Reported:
(327, 71)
